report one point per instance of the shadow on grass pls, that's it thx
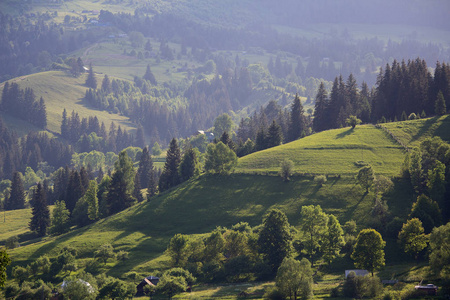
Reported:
(345, 133)
(351, 210)
(426, 126)
(443, 129)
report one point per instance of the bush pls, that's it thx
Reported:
(412, 116)
(12, 242)
(320, 179)
(273, 294)
(362, 286)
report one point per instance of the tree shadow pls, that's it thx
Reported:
(427, 125)
(351, 210)
(345, 133)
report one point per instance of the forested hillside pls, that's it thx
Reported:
(212, 143)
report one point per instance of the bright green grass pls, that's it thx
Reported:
(413, 132)
(198, 206)
(331, 152)
(60, 90)
(14, 222)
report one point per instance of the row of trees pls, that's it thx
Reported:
(23, 104)
(401, 89)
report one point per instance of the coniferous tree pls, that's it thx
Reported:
(152, 184)
(274, 135)
(145, 167)
(121, 189)
(106, 85)
(320, 109)
(140, 139)
(91, 198)
(40, 219)
(225, 138)
(91, 81)
(16, 199)
(297, 126)
(189, 166)
(137, 189)
(440, 107)
(74, 190)
(170, 176)
(149, 76)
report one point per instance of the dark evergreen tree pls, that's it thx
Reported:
(274, 135)
(149, 76)
(261, 140)
(225, 138)
(137, 189)
(189, 165)
(16, 199)
(91, 81)
(121, 189)
(297, 126)
(84, 177)
(152, 184)
(40, 219)
(170, 176)
(106, 85)
(140, 139)
(440, 108)
(145, 167)
(74, 190)
(320, 121)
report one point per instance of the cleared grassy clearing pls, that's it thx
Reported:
(60, 90)
(338, 151)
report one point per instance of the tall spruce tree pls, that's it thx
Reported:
(274, 135)
(16, 199)
(189, 166)
(40, 219)
(121, 189)
(297, 126)
(320, 109)
(170, 176)
(74, 190)
(440, 107)
(145, 167)
(91, 81)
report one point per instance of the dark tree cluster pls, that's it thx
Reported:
(88, 134)
(30, 46)
(271, 126)
(16, 155)
(23, 104)
(402, 89)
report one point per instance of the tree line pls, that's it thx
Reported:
(23, 105)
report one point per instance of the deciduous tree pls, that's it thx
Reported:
(369, 250)
(60, 218)
(412, 237)
(313, 222)
(220, 159)
(365, 177)
(295, 278)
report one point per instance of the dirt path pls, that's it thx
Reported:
(86, 52)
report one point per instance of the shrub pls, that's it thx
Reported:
(273, 294)
(12, 242)
(412, 116)
(320, 179)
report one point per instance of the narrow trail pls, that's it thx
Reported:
(86, 52)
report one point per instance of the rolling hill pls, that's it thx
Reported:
(61, 90)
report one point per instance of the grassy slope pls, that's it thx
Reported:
(332, 152)
(60, 91)
(412, 133)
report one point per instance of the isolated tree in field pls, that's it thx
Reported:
(353, 121)
(16, 198)
(365, 177)
(439, 107)
(189, 166)
(120, 194)
(297, 124)
(91, 81)
(313, 222)
(369, 250)
(275, 238)
(222, 123)
(149, 76)
(60, 218)
(333, 239)
(440, 245)
(40, 219)
(286, 169)
(4, 262)
(295, 278)
(412, 237)
(105, 252)
(170, 176)
(220, 159)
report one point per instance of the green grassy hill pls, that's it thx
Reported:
(61, 90)
(340, 151)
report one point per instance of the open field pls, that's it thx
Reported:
(339, 151)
